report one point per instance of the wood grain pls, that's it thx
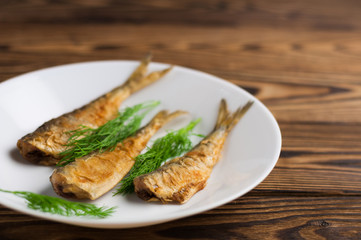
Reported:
(302, 59)
(254, 216)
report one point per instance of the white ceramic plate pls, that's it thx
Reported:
(250, 153)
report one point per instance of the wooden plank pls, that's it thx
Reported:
(320, 15)
(239, 53)
(254, 216)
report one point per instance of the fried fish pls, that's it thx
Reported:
(179, 179)
(44, 144)
(91, 176)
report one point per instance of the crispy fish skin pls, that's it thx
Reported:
(44, 144)
(91, 176)
(179, 179)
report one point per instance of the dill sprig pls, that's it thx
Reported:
(60, 206)
(171, 145)
(86, 140)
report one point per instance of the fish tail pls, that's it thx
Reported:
(223, 113)
(139, 79)
(141, 70)
(164, 116)
(135, 82)
(146, 132)
(227, 120)
(135, 78)
(147, 80)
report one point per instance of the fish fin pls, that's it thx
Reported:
(227, 120)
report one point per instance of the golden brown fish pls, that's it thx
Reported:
(91, 176)
(179, 179)
(44, 144)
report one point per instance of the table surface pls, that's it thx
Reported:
(302, 59)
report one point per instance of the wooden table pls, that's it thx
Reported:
(301, 58)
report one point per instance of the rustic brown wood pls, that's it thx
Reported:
(301, 58)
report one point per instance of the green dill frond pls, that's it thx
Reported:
(171, 145)
(86, 140)
(60, 206)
